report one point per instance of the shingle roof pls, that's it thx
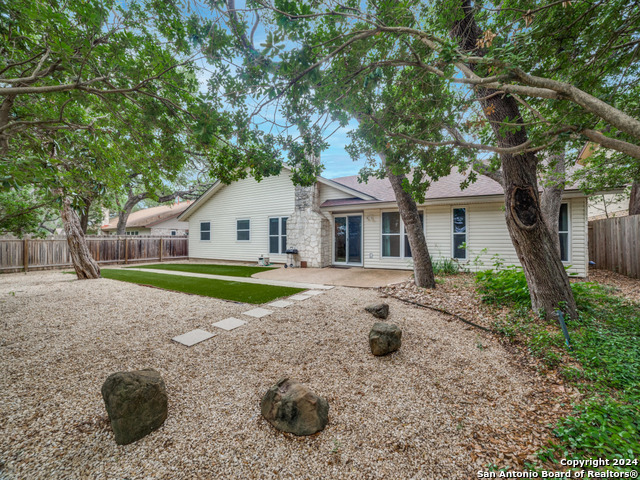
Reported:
(445, 187)
(148, 217)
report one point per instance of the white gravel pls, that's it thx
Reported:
(417, 413)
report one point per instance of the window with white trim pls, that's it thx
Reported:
(205, 231)
(277, 235)
(395, 241)
(174, 233)
(243, 230)
(563, 232)
(459, 233)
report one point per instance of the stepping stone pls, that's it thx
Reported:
(194, 336)
(229, 323)
(258, 312)
(313, 292)
(281, 304)
(299, 296)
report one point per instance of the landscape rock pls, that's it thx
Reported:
(380, 310)
(136, 403)
(384, 338)
(291, 407)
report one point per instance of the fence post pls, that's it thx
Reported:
(161, 245)
(25, 255)
(126, 250)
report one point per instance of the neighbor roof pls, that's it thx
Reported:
(148, 217)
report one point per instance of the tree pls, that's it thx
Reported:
(133, 199)
(554, 74)
(93, 90)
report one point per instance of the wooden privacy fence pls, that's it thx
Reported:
(36, 253)
(614, 244)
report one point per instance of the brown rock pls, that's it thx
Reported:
(384, 338)
(291, 407)
(380, 310)
(136, 403)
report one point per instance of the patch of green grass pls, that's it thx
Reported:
(208, 287)
(210, 269)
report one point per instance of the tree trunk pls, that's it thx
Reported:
(634, 199)
(551, 198)
(540, 258)
(422, 268)
(84, 264)
(123, 217)
(84, 215)
(123, 214)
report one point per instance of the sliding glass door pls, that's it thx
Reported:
(347, 240)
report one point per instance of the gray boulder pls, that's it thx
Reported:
(291, 407)
(384, 338)
(380, 310)
(136, 403)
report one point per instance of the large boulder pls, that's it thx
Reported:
(379, 310)
(384, 338)
(291, 407)
(136, 403)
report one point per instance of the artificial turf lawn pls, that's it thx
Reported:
(208, 287)
(229, 270)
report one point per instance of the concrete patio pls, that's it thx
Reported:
(345, 277)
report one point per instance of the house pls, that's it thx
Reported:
(342, 222)
(161, 220)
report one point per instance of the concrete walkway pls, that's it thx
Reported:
(344, 277)
(260, 281)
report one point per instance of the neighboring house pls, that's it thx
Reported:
(608, 205)
(162, 220)
(342, 222)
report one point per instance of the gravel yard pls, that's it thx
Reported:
(450, 401)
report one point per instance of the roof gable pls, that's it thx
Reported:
(217, 186)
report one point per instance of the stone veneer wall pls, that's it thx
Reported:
(308, 229)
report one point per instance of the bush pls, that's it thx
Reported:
(444, 266)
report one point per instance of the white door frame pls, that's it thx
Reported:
(333, 243)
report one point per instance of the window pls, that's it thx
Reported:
(460, 233)
(243, 230)
(563, 232)
(395, 241)
(205, 231)
(277, 235)
(173, 233)
(390, 234)
(132, 233)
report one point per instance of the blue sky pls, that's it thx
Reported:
(336, 160)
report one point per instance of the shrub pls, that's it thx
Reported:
(444, 266)
(507, 286)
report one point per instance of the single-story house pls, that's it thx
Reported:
(161, 221)
(342, 222)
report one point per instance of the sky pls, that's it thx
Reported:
(336, 160)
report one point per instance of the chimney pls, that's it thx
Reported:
(105, 217)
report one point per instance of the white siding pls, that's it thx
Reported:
(327, 192)
(244, 199)
(487, 236)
